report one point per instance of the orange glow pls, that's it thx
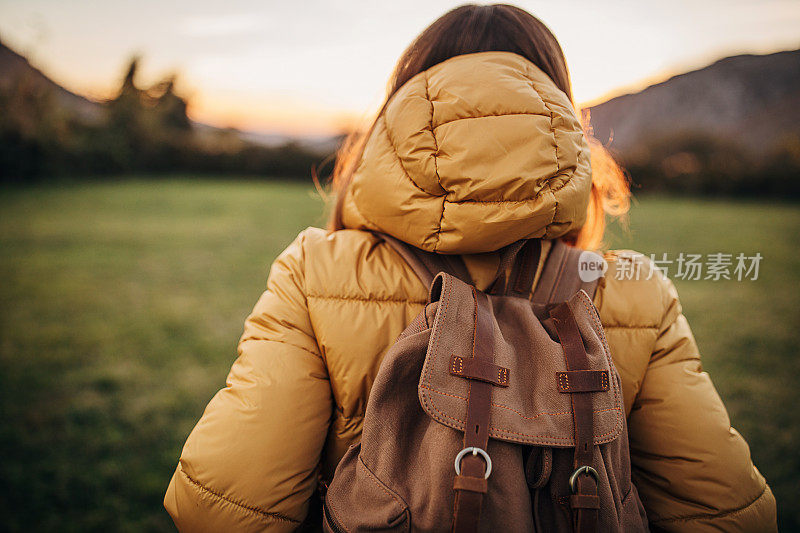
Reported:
(645, 82)
(276, 68)
(259, 113)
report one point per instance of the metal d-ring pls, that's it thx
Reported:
(475, 451)
(582, 470)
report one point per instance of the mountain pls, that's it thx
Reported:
(47, 132)
(752, 101)
(319, 144)
(16, 70)
(730, 128)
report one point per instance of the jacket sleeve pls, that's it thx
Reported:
(250, 464)
(692, 469)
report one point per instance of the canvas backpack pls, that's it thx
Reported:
(493, 411)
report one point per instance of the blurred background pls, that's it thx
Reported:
(155, 157)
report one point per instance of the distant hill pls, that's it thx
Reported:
(15, 69)
(732, 128)
(47, 132)
(749, 100)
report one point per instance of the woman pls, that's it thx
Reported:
(477, 146)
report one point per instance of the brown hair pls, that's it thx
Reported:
(501, 27)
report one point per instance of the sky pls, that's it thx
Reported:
(314, 67)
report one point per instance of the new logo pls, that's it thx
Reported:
(591, 266)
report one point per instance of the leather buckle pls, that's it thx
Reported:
(475, 451)
(587, 470)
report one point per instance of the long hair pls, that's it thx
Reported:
(501, 28)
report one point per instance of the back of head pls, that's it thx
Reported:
(473, 29)
(490, 28)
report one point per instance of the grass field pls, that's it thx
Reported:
(121, 305)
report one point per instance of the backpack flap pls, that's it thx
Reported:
(531, 401)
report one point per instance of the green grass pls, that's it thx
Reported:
(121, 305)
(748, 332)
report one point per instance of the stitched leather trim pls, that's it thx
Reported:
(582, 381)
(471, 368)
(521, 415)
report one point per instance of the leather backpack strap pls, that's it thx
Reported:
(584, 499)
(473, 465)
(560, 279)
(521, 259)
(427, 264)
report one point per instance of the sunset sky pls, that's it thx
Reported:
(313, 67)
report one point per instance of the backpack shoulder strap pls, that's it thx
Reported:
(560, 279)
(427, 264)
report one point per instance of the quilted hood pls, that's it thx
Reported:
(471, 155)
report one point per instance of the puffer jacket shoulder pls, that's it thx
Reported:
(335, 302)
(693, 470)
(251, 462)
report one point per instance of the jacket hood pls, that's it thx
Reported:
(471, 155)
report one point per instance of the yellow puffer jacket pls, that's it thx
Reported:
(471, 155)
